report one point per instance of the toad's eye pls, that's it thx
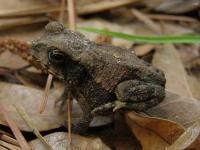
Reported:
(56, 56)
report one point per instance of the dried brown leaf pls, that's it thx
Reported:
(30, 99)
(171, 6)
(180, 109)
(142, 50)
(156, 133)
(168, 59)
(15, 62)
(187, 138)
(58, 141)
(165, 129)
(148, 139)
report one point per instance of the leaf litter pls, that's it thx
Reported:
(173, 124)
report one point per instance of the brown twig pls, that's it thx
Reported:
(171, 18)
(29, 123)
(146, 20)
(20, 138)
(46, 93)
(62, 11)
(72, 26)
(72, 14)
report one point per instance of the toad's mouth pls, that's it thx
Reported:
(46, 68)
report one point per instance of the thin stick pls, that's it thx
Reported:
(46, 94)
(9, 139)
(50, 77)
(9, 146)
(69, 118)
(171, 17)
(29, 123)
(13, 126)
(72, 25)
(72, 14)
(62, 11)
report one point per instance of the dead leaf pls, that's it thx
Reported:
(172, 6)
(122, 137)
(187, 138)
(142, 50)
(58, 141)
(15, 62)
(165, 129)
(168, 60)
(156, 133)
(30, 98)
(180, 109)
(194, 85)
(148, 139)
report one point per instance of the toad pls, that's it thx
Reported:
(102, 78)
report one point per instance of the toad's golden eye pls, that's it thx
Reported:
(56, 56)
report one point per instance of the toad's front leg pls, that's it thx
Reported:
(134, 95)
(83, 123)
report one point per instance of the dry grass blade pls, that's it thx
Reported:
(29, 123)
(3, 148)
(9, 139)
(20, 138)
(10, 23)
(151, 24)
(8, 146)
(69, 118)
(171, 18)
(82, 9)
(104, 5)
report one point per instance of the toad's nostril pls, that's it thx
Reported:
(160, 72)
(157, 70)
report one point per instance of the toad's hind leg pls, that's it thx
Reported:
(138, 95)
(134, 95)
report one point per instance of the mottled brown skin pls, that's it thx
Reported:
(102, 78)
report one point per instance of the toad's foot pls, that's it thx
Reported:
(112, 106)
(117, 105)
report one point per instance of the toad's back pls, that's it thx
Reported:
(110, 65)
